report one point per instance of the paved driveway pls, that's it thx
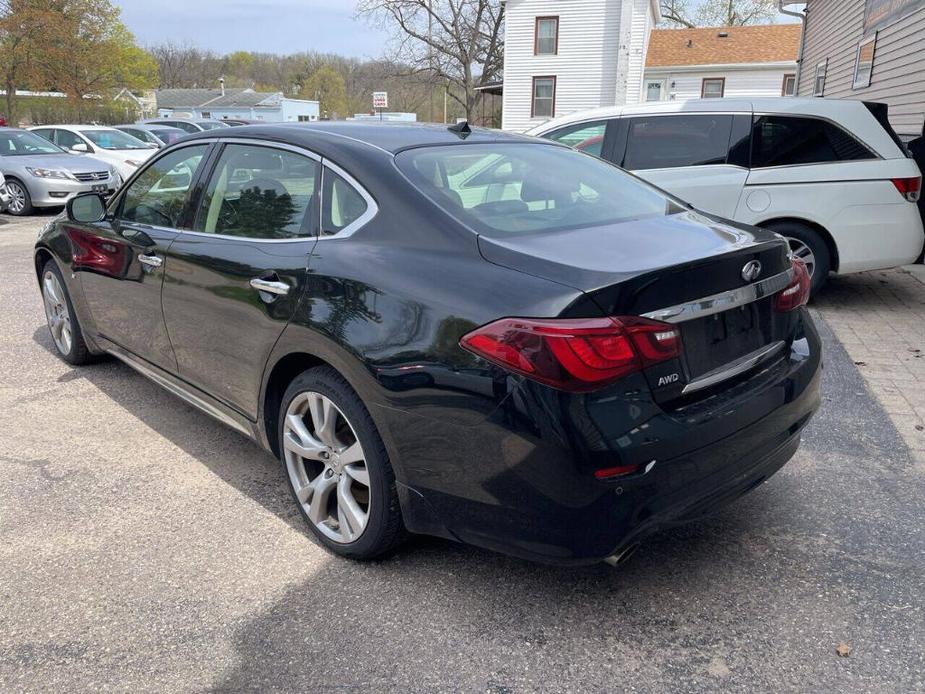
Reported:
(145, 547)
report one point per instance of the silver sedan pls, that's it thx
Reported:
(40, 174)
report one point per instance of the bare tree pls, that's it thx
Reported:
(736, 12)
(457, 41)
(677, 13)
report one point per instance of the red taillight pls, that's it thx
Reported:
(797, 292)
(575, 354)
(619, 471)
(909, 188)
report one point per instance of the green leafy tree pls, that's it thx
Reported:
(327, 86)
(27, 30)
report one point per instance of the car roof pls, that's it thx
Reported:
(65, 126)
(149, 126)
(385, 136)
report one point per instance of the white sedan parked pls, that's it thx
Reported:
(829, 175)
(124, 152)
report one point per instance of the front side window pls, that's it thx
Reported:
(113, 139)
(547, 36)
(343, 204)
(158, 195)
(544, 97)
(791, 140)
(507, 189)
(260, 193)
(713, 88)
(585, 137)
(15, 143)
(819, 81)
(662, 142)
(67, 139)
(789, 86)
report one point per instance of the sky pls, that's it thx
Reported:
(267, 26)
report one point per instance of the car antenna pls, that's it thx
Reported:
(462, 129)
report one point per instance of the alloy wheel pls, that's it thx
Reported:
(327, 467)
(17, 195)
(56, 311)
(804, 253)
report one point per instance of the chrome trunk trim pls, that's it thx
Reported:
(723, 301)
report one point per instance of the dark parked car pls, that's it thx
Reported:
(475, 335)
(158, 135)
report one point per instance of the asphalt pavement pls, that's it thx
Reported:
(145, 547)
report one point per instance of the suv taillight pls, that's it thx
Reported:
(909, 188)
(576, 355)
(796, 293)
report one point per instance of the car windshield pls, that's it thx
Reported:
(511, 188)
(113, 139)
(14, 144)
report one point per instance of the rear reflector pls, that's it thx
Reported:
(575, 354)
(909, 188)
(796, 294)
(621, 471)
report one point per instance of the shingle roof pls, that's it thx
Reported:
(195, 98)
(771, 43)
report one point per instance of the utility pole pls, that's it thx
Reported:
(430, 59)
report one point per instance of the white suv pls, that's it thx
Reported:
(830, 176)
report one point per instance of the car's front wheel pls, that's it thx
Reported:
(20, 200)
(338, 468)
(59, 313)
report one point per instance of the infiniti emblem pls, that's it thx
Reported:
(751, 271)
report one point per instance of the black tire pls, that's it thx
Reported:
(384, 529)
(78, 353)
(802, 235)
(27, 207)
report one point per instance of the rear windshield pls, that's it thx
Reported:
(511, 188)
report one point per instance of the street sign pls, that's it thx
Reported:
(380, 99)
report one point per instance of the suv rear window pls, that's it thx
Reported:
(792, 140)
(503, 189)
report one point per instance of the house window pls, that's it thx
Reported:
(206, 114)
(864, 63)
(819, 81)
(544, 97)
(713, 88)
(546, 40)
(789, 87)
(654, 90)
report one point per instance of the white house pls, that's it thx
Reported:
(749, 61)
(247, 104)
(562, 56)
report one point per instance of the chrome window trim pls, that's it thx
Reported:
(732, 369)
(372, 209)
(724, 301)
(272, 145)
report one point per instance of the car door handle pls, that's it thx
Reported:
(151, 261)
(270, 287)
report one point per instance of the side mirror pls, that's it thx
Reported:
(151, 145)
(86, 208)
(80, 147)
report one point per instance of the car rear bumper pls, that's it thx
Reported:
(526, 482)
(874, 237)
(56, 192)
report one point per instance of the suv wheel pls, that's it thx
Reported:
(809, 246)
(338, 468)
(59, 313)
(20, 202)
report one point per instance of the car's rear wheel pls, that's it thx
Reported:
(62, 321)
(20, 200)
(808, 245)
(337, 466)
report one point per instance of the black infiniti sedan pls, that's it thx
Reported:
(458, 332)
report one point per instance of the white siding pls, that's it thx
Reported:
(833, 30)
(751, 83)
(585, 67)
(643, 21)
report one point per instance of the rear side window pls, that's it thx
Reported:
(790, 141)
(342, 204)
(585, 137)
(663, 142)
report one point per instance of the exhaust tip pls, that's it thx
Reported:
(621, 557)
